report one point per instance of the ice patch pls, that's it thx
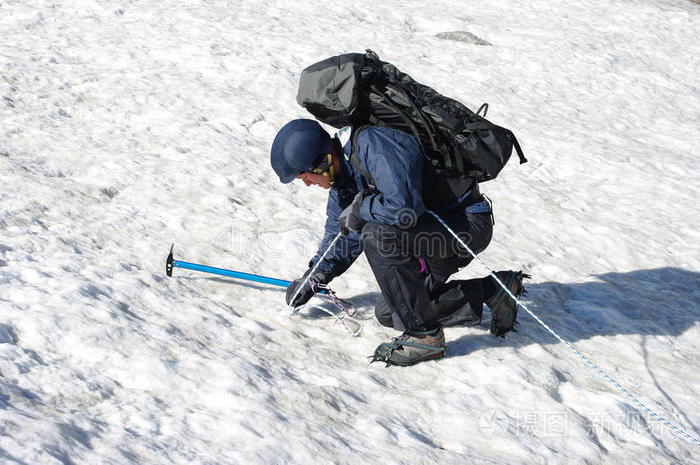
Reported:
(7, 334)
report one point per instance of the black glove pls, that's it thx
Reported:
(319, 277)
(350, 219)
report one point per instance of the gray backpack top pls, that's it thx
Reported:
(359, 89)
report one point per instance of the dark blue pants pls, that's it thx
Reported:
(424, 300)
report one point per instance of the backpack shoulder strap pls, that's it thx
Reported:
(355, 159)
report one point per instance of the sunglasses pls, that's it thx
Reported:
(323, 164)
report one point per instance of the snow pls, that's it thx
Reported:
(129, 125)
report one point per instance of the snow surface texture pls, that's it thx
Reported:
(129, 125)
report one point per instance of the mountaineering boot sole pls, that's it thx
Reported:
(412, 347)
(504, 310)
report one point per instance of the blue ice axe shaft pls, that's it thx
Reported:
(172, 263)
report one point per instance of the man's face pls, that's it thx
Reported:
(312, 179)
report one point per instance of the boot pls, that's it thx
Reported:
(411, 347)
(504, 310)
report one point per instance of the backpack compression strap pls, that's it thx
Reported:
(475, 126)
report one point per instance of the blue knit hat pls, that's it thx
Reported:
(297, 146)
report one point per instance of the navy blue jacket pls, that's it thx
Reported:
(395, 162)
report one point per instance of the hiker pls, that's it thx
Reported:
(378, 199)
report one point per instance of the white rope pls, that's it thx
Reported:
(590, 364)
(308, 276)
(340, 319)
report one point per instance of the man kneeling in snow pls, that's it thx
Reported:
(379, 194)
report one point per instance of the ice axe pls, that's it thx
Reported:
(172, 263)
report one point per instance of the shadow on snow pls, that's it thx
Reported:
(662, 301)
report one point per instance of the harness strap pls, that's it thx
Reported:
(398, 343)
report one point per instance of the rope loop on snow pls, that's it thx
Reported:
(590, 364)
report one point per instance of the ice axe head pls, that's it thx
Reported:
(169, 262)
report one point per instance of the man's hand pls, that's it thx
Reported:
(307, 291)
(350, 219)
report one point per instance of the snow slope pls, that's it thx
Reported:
(128, 125)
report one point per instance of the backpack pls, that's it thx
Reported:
(359, 89)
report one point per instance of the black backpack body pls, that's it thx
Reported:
(359, 89)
